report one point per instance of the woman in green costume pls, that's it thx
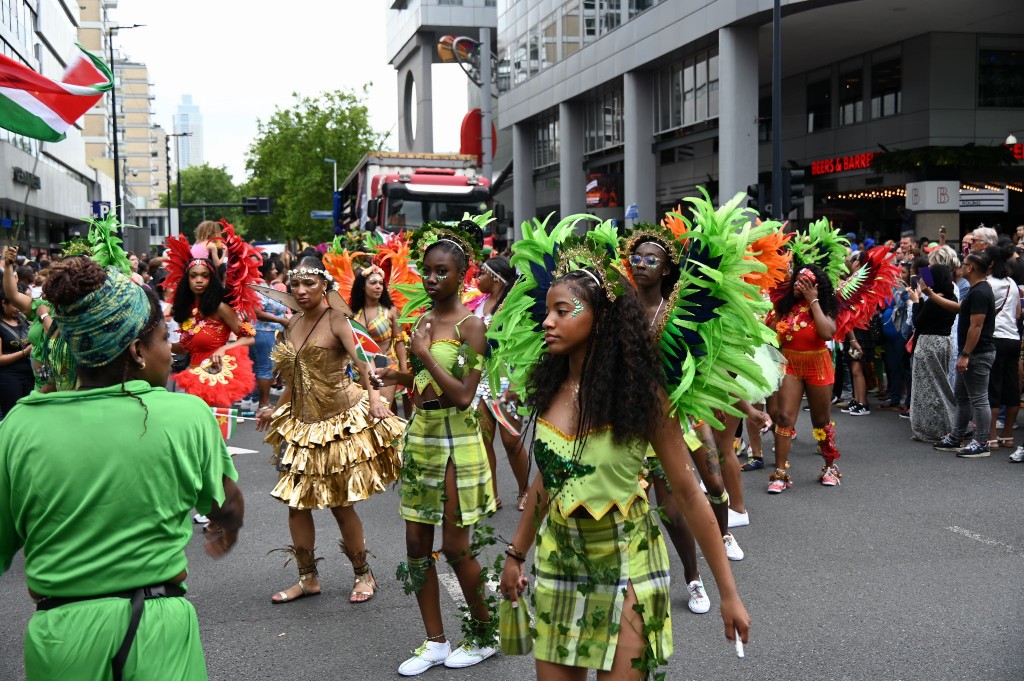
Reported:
(446, 480)
(601, 567)
(108, 585)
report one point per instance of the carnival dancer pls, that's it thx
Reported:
(372, 307)
(220, 371)
(88, 562)
(445, 477)
(335, 441)
(655, 271)
(602, 585)
(494, 281)
(808, 312)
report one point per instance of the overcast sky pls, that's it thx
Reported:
(241, 58)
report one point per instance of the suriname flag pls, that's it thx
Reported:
(366, 347)
(37, 107)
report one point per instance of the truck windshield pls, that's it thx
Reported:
(411, 213)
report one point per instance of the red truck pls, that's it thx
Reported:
(398, 191)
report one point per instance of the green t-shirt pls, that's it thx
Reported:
(100, 498)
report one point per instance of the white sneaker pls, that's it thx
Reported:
(1018, 455)
(699, 602)
(200, 519)
(739, 519)
(428, 655)
(732, 549)
(467, 655)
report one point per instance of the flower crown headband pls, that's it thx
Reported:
(299, 271)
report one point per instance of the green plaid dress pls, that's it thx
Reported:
(584, 565)
(432, 439)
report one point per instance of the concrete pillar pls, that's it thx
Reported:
(572, 179)
(737, 110)
(639, 167)
(415, 89)
(524, 192)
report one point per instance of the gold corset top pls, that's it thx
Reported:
(320, 384)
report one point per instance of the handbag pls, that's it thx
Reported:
(514, 625)
(180, 362)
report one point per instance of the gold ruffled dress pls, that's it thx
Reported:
(330, 453)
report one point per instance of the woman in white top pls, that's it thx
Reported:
(1004, 380)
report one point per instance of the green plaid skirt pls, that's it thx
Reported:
(583, 567)
(432, 439)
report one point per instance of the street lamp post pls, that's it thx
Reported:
(177, 156)
(335, 164)
(177, 166)
(118, 211)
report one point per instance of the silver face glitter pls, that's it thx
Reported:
(440, 278)
(577, 308)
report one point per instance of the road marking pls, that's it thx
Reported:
(956, 529)
(451, 584)
(239, 450)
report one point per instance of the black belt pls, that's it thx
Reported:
(138, 598)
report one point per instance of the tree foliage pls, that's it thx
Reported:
(206, 184)
(286, 161)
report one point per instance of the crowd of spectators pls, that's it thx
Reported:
(945, 352)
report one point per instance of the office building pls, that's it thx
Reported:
(619, 102)
(46, 189)
(189, 119)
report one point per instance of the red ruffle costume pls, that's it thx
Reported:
(202, 336)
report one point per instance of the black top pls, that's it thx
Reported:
(931, 320)
(15, 339)
(979, 300)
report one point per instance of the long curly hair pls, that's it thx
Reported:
(184, 299)
(619, 353)
(826, 294)
(670, 279)
(358, 301)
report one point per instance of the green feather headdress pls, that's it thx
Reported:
(821, 246)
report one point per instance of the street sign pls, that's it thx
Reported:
(100, 209)
(633, 212)
(321, 214)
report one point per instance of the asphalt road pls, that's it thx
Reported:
(912, 569)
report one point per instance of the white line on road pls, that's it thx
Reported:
(451, 584)
(956, 529)
(239, 450)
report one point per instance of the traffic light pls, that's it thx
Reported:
(756, 203)
(792, 188)
(257, 205)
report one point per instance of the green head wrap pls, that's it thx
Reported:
(103, 323)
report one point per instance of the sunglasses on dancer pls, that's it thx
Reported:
(646, 260)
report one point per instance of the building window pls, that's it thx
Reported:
(819, 105)
(687, 92)
(638, 6)
(1001, 78)
(886, 89)
(851, 97)
(570, 28)
(603, 123)
(545, 142)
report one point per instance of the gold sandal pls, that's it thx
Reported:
(362, 596)
(306, 561)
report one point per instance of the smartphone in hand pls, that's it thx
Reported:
(914, 279)
(926, 276)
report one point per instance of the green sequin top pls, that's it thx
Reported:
(455, 356)
(607, 475)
